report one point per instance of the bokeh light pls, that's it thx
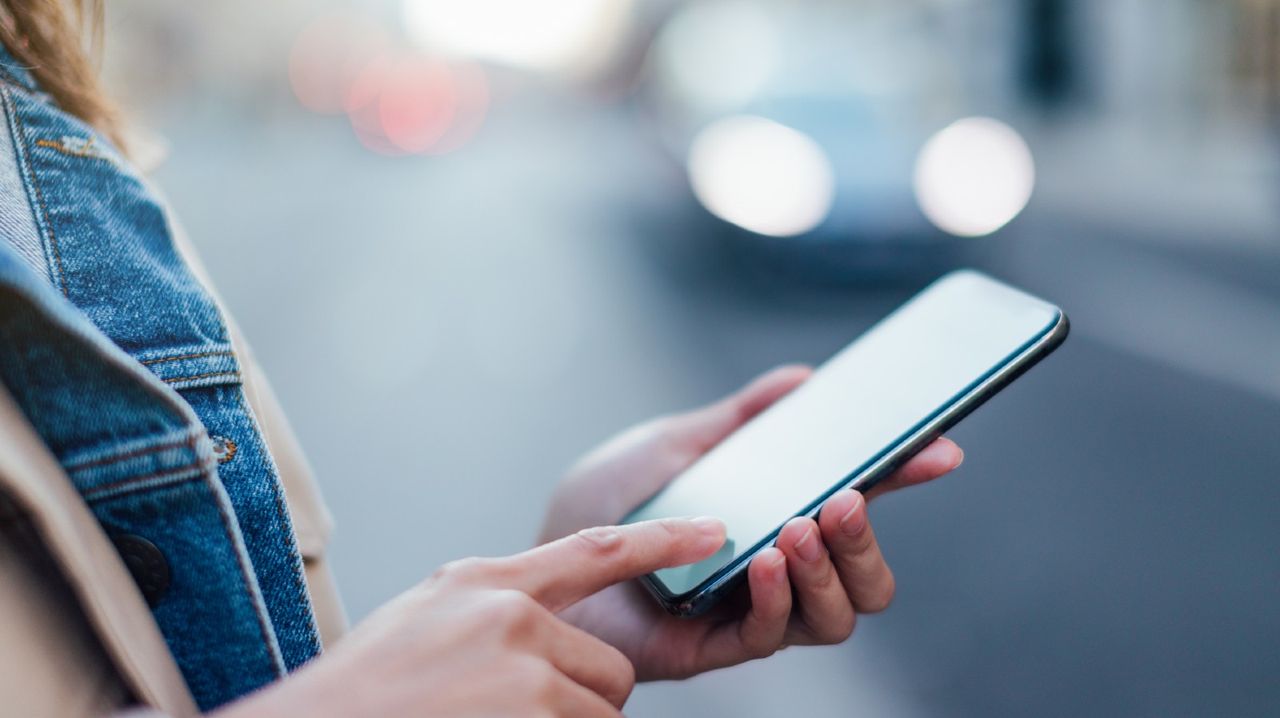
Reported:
(761, 175)
(416, 104)
(471, 105)
(402, 104)
(565, 35)
(412, 104)
(399, 101)
(717, 56)
(329, 55)
(974, 177)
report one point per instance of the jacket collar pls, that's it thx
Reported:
(15, 72)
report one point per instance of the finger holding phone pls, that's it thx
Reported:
(787, 463)
(806, 590)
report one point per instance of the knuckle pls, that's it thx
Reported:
(825, 578)
(460, 571)
(672, 528)
(863, 541)
(533, 680)
(672, 442)
(850, 628)
(666, 430)
(510, 609)
(840, 630)
(880, 598)
(599, 541)
(685, 665)
(762, 650)
(628, 676)
(624, 674)
(544, 683)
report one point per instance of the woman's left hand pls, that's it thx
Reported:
(807, 589)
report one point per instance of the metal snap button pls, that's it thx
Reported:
(146, 563)
(224, 449)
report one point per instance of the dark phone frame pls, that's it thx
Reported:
(701, 598)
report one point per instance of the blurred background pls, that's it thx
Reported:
(470, 239)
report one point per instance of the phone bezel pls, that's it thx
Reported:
(702, 597)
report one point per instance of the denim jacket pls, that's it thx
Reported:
(122, 363)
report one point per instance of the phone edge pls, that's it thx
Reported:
(700, 599)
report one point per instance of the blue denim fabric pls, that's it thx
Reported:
(122, 363)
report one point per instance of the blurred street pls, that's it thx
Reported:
(449, 332)
(1108, 547)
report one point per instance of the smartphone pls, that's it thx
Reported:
(861, 415)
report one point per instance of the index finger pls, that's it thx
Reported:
(565, 571)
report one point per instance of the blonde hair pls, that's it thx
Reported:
(56, 39)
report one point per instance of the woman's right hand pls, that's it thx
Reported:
(481, 636)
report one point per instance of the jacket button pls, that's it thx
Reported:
(146, 563)
(224, 449)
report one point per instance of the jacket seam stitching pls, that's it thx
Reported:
(206, 375)
(117, 488)
(247, 576)
(23, 166)
(33, 183)
(61, 147)
(81, 466)
(180, 357)
(286, 519)
(191, 442)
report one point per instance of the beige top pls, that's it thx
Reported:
(79, 639)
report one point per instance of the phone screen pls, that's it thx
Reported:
(859, 405)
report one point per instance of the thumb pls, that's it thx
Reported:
(565, 571)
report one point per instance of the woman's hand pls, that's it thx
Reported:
(481, 637)
(808, 589)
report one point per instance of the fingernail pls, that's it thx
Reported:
(807, 547)
(778, 568)
(708, 525)
(853, 522)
